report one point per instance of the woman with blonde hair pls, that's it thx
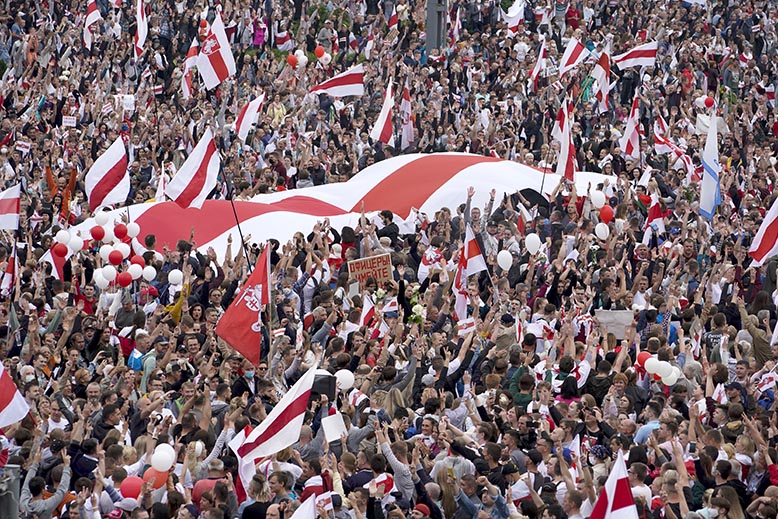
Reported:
(448, 493)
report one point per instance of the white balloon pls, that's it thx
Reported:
(62, 237)
(105, 250)
(163, 458)
(345, 379)
(671, 379)
(326, 59)
(101, 218)
(598, 199)
(133, 229)
(678, 372)
(652, 365)
(175, 277)
(76, 243)
(602, 231)
(298, 53)
(700, 102)
(135, 270)
(302, 61)
(109, 272)
(124, 249)
(99, 280)
(149, 273)
(665, 369)
(532, 242)
(504, 259)
(108, 234)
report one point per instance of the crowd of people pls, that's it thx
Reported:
(523, 416)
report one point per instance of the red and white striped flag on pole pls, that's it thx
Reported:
(368, 310)
(108, 180)
(471, 261)
(348, 83)
(10, 204)
(574, 55)
(282, 426)
(383, 129)
(92, 16)
(602, 75)
(630, 141)
(393, 19)
(248, 116)
(765, 244)
(9, 275)
(465, 326)
(563, 132)
(406, 116)
(141, 28)
(187, 79)
(197, 175)
(215, 62)
(246, 466)
(13, 407)
(284, 41)
(369, 45)
(641, 56)
(616, 501)
(540, 66)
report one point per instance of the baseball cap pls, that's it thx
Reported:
(507, 319)
(423, 509)
(535, 456)
(128, 504)
(509, 468)
(734, 385)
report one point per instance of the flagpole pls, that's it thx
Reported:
(231, 185)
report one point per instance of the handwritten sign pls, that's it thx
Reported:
(69, 121)
(617, 321)
(378, 267)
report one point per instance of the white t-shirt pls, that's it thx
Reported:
(642, 491)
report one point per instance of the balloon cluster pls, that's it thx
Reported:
(297, 60)
(115, 249)
(661, 370)
(322, 55)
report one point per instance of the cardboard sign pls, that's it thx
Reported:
(69, 121)
(378, 267)
(617, 321)
(333, 427)
(128, 103)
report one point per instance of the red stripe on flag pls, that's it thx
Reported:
(768, 241)
(9, 206)
(7, 389)
(198, 179)
(110, 180)
(347, 80)
(623, 496)
(298, 407)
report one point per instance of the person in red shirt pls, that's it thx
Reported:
(572, 17)
(215, 473)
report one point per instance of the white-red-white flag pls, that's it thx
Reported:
(765, 244)
(615, 500)
(57, 262)
(281, 428)
(215, 61)
(514, 17)
(248, 116)
(369, 46)
(108, 180)
(406, 116)
(563, 132)
(284, 41)
(471, 254)
(187, 79)
(353, 43)
(383, 129)
(393, 19)
(540, 66)
(9, 274)
(602, 75)
(141, 28)
(641, 56)
(348, 83)
(13, 407)
(198, 174)
(92, 17)
(630, 141)
(465, 326)
(574, 55)
(246, 466)
(10, 204)
(368, 310)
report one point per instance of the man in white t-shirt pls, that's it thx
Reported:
(637, 476)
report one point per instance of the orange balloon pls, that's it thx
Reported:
(160, 478)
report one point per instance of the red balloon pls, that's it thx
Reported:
(130, 487)
(124, 279)
(709, 102)
(606, 213)
(120, 230)
(319, 51)
(97, 232)
(657, 378)
(160, 478)
(291, 60)
(115, 257)
(138, 260)
(643, 357)
(59, 249)
(203, 24)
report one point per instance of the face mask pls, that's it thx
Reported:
(29, 378)
(713, 512)
(249, 375)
